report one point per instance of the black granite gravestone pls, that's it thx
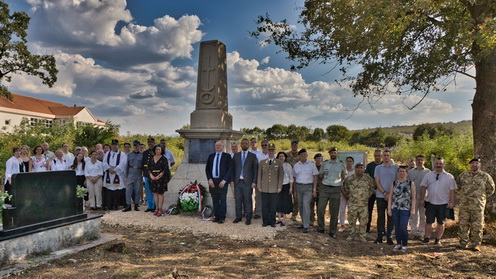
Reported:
(199, 149)
(41, 200)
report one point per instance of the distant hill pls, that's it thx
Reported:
(462, 126)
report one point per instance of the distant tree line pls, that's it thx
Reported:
(339, 133)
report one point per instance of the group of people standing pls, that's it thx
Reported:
(405, 195)
(114, 178)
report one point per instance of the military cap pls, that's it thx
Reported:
(333, 149)
(271, 146)
(302, 151)
(475, 160)
(136, 142)
(359, 164)
(115, 141)
(294, 141)
(317, 155)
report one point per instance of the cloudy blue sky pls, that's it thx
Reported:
(135, 63)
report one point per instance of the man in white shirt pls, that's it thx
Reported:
(168, 154)
(68, 156)
(114, 167)
(306, 175)
(254, 144)
(440, 187)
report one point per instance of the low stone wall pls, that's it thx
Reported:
(19, 248)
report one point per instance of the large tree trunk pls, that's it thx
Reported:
(484, 121)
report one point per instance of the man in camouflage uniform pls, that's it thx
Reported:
(357, 188)
(292, 158)
(474, 187)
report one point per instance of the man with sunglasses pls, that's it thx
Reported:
(440, 187)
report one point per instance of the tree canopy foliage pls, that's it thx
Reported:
(14, 54)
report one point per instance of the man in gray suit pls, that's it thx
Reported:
(245, 180)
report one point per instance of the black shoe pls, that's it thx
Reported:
(248, 222)
(278, 222)
(332, 235)
(273, 225)
(378, 240)
(256, 216)
(425, 241)
(98, 208)
(438, 242)
(282, 224)
(150, 209)
(92, 208)
(136, 207)
(300, 227)
(305, 230)
(128, 208)
(390, 241)
(319, 231)
(221, 221)
(215, 220)
(264, 225)
(237, 220)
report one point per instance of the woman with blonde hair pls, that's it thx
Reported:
(25, 156)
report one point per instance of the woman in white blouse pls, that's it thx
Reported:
(58, 163)
(93, 172)
(12, 166)
(78, 166)
(285, 202)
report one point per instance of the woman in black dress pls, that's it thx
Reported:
(285, 201)
(158, 169)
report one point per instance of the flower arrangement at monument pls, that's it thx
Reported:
(190, 196)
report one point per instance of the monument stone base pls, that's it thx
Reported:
(191, 169)
(211, 119)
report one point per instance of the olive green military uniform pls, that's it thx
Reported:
(359, 189)
(472, 193)
(292, 159)
(315, 201)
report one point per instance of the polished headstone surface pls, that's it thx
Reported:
(41, 200)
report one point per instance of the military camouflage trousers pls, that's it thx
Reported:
(360, 213)
(471, 223)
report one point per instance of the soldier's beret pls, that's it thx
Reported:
(475, 160)
(271, 146)
(294, 141)
(114, 141)
(136, 142)
(317, 155)
(302, 151)
(333, 149)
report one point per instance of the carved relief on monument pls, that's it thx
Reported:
(212, 77)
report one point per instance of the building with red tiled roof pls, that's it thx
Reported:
(40, 111)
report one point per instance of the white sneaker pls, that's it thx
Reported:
(397, 248)
(403, 249)
(341, 229)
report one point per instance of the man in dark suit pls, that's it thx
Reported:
(219, 172)
(245, 180)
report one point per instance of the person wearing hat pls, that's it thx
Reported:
(357, 188)
(440, 187)
(270, 178)
(318, 159)
(114, 185)
(474, 187)
(293, 158)
(305, 174)
(134, 177)
(333, 172)
(147, 156)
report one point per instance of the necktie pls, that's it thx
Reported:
(243, 157)
(270, 162)
(217, 165)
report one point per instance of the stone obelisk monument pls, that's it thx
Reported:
(210, 122)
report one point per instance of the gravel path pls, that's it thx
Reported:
(147, 221)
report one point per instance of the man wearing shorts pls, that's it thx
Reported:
(440, 187)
